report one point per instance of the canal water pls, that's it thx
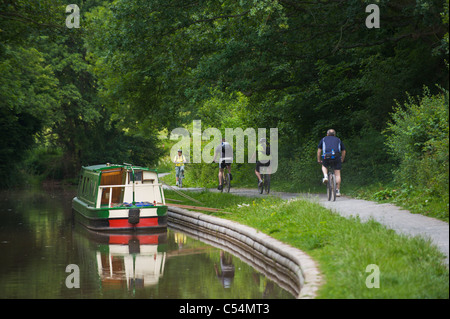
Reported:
(44, 254)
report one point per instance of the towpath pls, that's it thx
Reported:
(393, 217)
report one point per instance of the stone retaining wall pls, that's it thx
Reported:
(289, 267)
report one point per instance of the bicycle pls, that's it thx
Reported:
(331, 184)
(180, 174)
(265, 184)
(226, 182)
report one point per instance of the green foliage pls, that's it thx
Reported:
(45, 163)
(49, 95)
(28, 97)
(299, 169)
(418, 137)
(368, 161)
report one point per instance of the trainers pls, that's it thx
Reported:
(338, 193)
(260, 183)
(220, 187)
(325, 180)
(231, 177)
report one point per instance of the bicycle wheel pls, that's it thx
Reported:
(179, 179)
(228, 182)
(267, 183)
(333, 187)
(329, 191)
(261, 186)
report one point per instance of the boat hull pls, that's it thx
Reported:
(120, 219)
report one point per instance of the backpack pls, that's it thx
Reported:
(331, 154)
(267, 149)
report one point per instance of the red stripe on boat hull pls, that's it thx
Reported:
(143, 239)
(123, 223)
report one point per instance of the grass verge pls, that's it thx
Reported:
(416, 200)
(344, 248)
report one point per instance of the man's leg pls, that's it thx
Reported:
(229, 169)
(257, 172)
(325, 174)
(337, 172)
(220, 175)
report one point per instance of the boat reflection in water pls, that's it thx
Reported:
(129, 261)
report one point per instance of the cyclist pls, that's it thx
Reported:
(179, 161)
(263, 158)
(328, 145)
(225, 152)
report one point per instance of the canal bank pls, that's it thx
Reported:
(290, 267)
(400, 220)
(343, 248)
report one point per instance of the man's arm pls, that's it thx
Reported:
(319, 153)
(216, 152)
(343, 155)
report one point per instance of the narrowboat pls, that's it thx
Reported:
(120, 197)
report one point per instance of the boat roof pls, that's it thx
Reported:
(102, 167)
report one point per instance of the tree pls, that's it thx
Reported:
(49, 95)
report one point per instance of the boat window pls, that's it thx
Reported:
(111, 177)
(137, 176)
(84, 185)
(94, 190)
(91, 187)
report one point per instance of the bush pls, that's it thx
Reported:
(418, 137)
(45, 163)
(298, 170)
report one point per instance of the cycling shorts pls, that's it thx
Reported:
(335, 163)
(259, 164)
(223, 163)
(179, 170)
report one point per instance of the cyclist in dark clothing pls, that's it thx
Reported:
(224, 151)
(331, 144)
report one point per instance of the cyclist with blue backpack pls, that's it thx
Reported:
(333, 155)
